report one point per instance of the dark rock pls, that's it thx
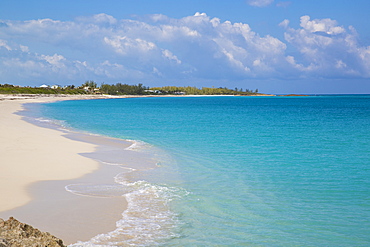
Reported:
(16, 234)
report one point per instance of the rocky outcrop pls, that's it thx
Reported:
(16, 234)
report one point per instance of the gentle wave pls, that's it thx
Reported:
(148, 219)
(49, 123)
(279, 171)
(137, 145)
(100, 190)
(43, 120)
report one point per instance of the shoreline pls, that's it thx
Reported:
(37, 191)
(55, 97)
(34, 192)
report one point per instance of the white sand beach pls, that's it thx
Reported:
(30, 156)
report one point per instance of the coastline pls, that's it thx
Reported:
(34, 192)
(36, 165)
(210, 167)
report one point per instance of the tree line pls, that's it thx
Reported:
(124, 89)
(203, 91)
(91, 87)
(11, 89)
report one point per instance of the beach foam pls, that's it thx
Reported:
(98, 190)
(147, 221)
(137, 145)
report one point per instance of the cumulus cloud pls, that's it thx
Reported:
(260, 3)
(327, 26)
(327, 49)
(164, 49)
(125, 45)
(100, 46)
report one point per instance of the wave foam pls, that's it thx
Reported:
(43, 120)
(137, 145)
(50, 123)
(101, 190)
(147, 221)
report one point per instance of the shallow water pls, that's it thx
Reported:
(235, 171)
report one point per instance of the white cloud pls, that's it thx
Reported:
(195, 47)
(104, 18)
(327, 26)
(125, 45)
(157, 72)
(169, 55)
(4, 44)
(260, 3)
(284, 23)
(340, 64)
(55, 60)
(109, 70)
(24, 48)
(327, 49)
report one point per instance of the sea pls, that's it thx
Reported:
(233, 170)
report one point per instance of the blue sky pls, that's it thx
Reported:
(275, 46)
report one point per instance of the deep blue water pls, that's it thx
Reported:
(258, 171)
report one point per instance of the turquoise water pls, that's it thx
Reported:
(246, 171)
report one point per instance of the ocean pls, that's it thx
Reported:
(233, 171)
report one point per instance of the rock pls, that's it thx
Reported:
(16, 234)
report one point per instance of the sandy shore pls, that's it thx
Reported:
(37, 163)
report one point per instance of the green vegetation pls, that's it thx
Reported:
(202, 91)
(10, 89)
(124, 89)
(91, 87)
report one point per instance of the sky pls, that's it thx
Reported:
(281, 47)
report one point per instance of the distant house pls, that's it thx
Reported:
(179, 93)
(92, 90)
(69, 87)
(153, 91)
(44, 86)
(55, 87)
